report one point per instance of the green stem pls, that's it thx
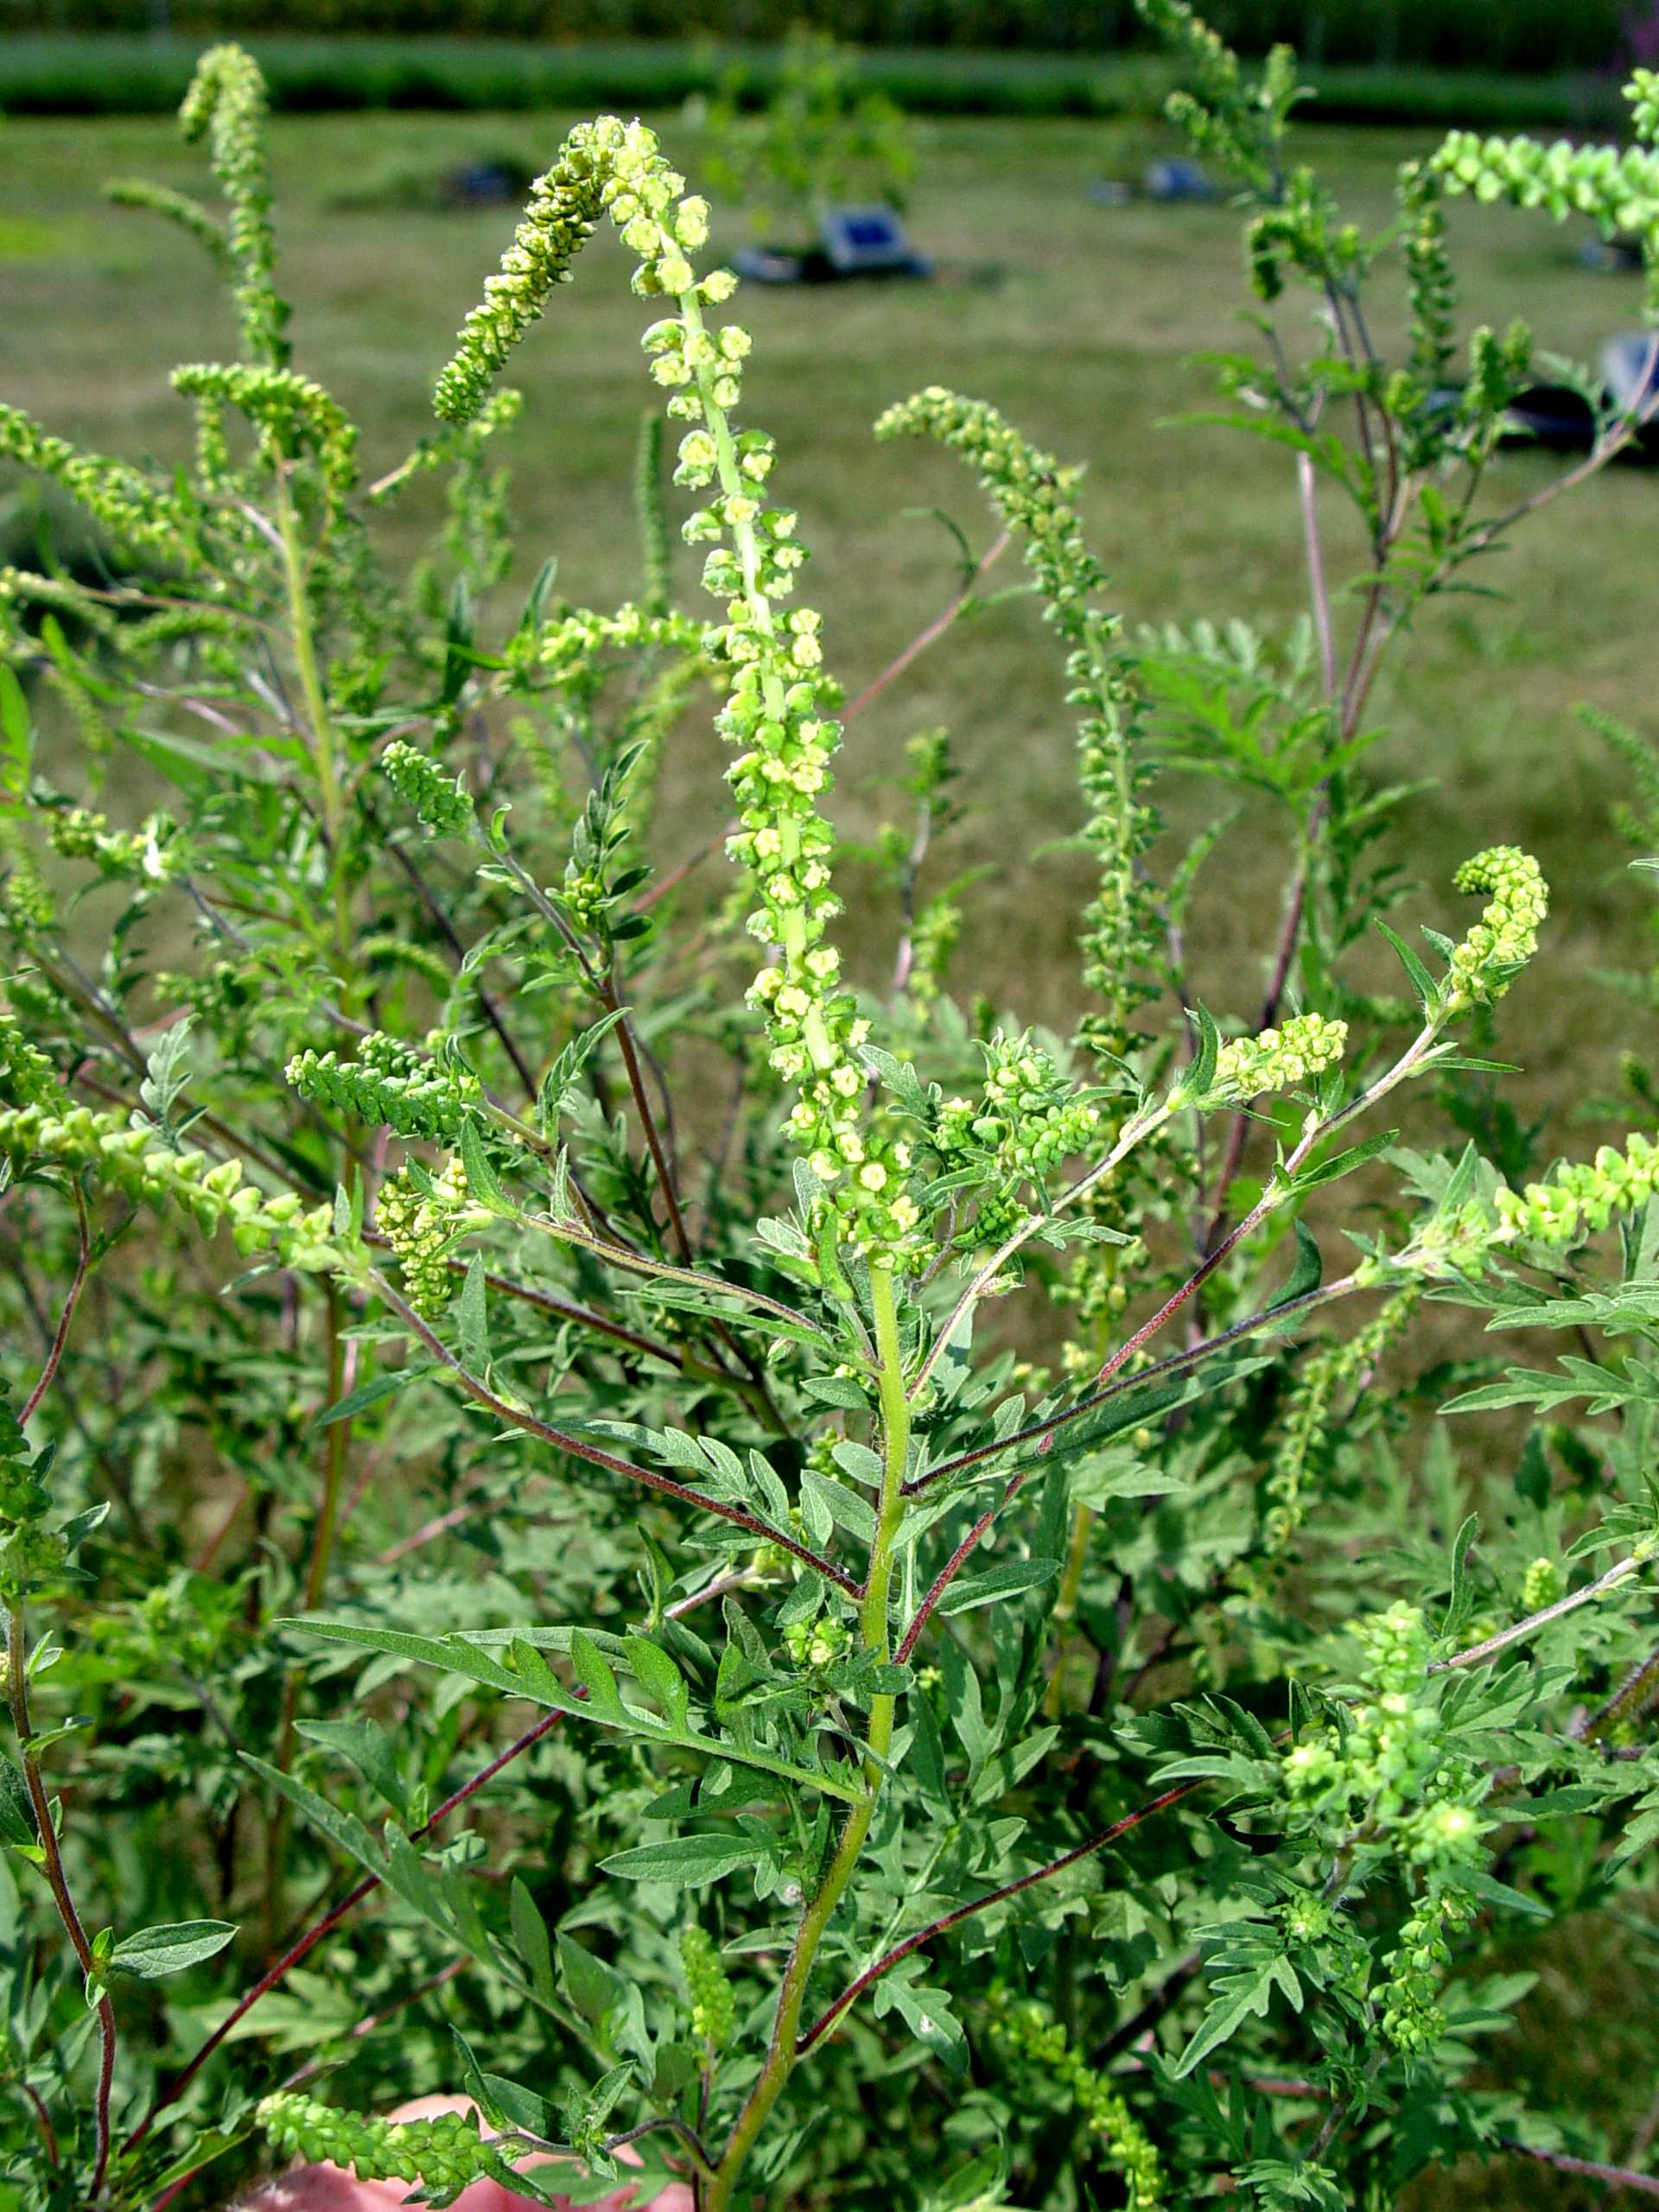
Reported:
(1065, 1606)
(782, 2055)
(323, 755)
(322, 1545)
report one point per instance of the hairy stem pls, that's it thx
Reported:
(57, 1881)
(83, 1260)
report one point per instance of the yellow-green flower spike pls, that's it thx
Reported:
(1505, 938)
(226, 102)
(775, 716)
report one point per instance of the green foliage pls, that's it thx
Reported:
(527, 1572)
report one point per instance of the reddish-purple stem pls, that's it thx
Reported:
(1039, 1431)
(956, 1562)
(82, 1263)
(935, 630)
(1565, 2162)
(482, 1395)
(313, 1936)
(58, 1882)
(854, 1990)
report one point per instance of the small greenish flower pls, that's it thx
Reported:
(388, 1084)
(444, 2154)
(1277, 1060)
(421, 1219)
(1541, 1584)
(177, 208)
(1580, 1197)
(775, 715)
(1617, 189)
(27, 1075)
(1027, 1121)
(1386, 1778)
(128, 1155)
(288, 410)
(1036, 497)
(1029, 2032)
(714, 2009)
(135, 509)
(442, 803)
(155, 853)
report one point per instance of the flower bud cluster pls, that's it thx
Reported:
(226, 100)
(1027, 1121)
(1033, 495)
(1541, 1584)
(442, 803)
(445, 2154)
(932, 940)
(1578, 1198)
(26, 897)
(603, 165)
(818, 1642)
(1408, 2012)
(131, 1156)
(153, 853)
(570, 646)
(27, 1075)
(388, 1084)
(421, 1220)
(1306, 1434)
(1619, 190)
(1030, 2032)
(177, 208)
(1387, 1763)
(1582, 1196)
(1277, 1060)
(384, 948)
(133, 508)
(1643, 93)
(30, 1557)
(23, 588)
(1431, 284)
(1505, 938)
(290, 412)
(220, 992)
(1387, 1779)
(1499, 368)
(714, 2010)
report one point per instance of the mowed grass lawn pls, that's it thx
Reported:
(1079, 320)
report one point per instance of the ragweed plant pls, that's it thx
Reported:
(903, 1579)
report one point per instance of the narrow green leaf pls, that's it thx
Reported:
(1005, 1581)
(529, 1934)
(1422, 983)
(685, 1861)
(483, 1184)
(368, 1394)
(156, 1951)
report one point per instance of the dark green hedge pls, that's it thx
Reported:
(1534, 36)
(140, 76)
